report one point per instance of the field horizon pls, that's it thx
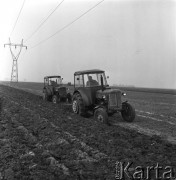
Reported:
(123, 88)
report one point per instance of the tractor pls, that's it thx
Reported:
(93, 94)
(55, 91)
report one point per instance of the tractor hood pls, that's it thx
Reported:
(60, 88)
(100, 93)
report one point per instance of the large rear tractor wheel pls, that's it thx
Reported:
(55, 99)
(101, 115)
(128, 112)
(75, 106)
(45, 96)
(78, 105)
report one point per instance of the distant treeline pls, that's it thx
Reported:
(149, 90)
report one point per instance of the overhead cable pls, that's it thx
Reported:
(66, 26)
(44, 21)
(17, 18)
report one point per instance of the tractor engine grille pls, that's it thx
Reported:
(112, 100)
(62, 91)
(62, 88)
(115, 100)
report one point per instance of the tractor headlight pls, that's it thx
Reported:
(123, 94)
(104, 97)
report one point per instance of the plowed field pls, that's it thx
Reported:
(41, 140)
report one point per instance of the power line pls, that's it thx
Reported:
(44, 21)
(66, 26)
(17, 18)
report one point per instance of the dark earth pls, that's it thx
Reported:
(41, 140)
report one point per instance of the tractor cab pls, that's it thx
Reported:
(88, 83)
(52, 81)
(90, 78)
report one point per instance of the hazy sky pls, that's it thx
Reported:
(134, 41)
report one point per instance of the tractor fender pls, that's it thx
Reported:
(86, 99)
(49, 91)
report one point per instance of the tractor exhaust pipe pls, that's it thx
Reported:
(102, 85)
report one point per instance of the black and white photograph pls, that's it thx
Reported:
(88, 90)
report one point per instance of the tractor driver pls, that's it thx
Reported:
(91, 82)
(52, 83)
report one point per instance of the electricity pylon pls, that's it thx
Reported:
(14, 73)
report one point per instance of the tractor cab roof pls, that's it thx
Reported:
(52, 77)
(92, 71)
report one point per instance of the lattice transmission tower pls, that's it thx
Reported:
(14, 73)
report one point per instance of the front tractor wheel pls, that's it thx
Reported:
(55, 99)
(128, 112)
(101, 115)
